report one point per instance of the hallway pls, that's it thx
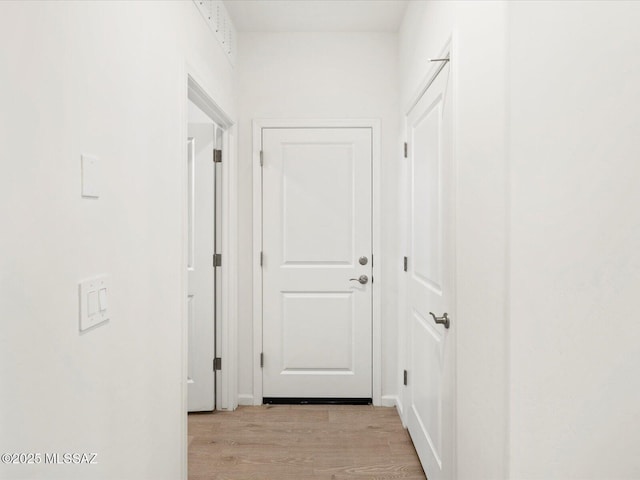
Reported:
(428, 205)
(328, 442)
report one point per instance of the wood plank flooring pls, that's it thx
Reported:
(298, 442)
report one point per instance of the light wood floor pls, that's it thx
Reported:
(297, 442)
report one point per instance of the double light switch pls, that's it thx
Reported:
(94, 294)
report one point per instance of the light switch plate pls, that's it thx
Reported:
(90, 176)
(93, 294)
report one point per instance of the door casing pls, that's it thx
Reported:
(258, 125)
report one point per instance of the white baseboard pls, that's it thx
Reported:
(389, 401)
(394, 401)
(245, 399)
(400, 410)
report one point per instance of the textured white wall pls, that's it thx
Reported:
(106, 78)
(479, 73)
(318, 75)
(575, 257)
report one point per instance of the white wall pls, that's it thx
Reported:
(479, 72)
(106, 78)
(548, 262)
(575, 257)
(318, 75)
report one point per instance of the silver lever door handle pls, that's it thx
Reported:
(443, 320)
(362, 279)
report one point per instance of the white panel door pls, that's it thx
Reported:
(430, 279)
(317, 322)
(200, 270)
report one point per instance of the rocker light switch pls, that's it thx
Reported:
(93, 301)
(103, 299)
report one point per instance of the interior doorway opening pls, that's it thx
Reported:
(203, 117)
(204, 266)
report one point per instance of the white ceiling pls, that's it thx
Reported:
(316, 15)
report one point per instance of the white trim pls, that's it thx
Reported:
(257, 271)
(452, 50)
(390, 401)
(375, 125)
(400, 410)
(229, 331)
(204, 101)
(245, 399)
(184, 239)
(377, 271)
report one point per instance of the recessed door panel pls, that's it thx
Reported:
(318, 318)
(318, 196)
(316, 225)
(426, 218)
(427, 394)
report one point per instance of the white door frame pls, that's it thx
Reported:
(374, 125)
(227, 397)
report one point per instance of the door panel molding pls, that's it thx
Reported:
(258, 126)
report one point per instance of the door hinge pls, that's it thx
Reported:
(261, 158)
(372, 260)
(404, 378)
(261, 258)
(406, 149)
(217, 259)
(405, 262)
(261, 359)
(217, 363)
(217, 156)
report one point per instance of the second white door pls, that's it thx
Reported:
(317, 262)
(430, 279)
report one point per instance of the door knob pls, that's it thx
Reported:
(443, 320)
(362, 279)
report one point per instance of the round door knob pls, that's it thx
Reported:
(362, 279)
